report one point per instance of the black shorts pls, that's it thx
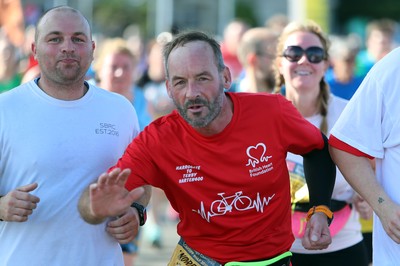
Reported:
(355, 256)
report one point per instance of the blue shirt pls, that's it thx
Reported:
(342, 90)
(140, 104)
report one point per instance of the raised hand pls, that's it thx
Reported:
(108, 197)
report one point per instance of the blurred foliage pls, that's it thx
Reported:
(111, 17)
(245, 11)
(369, 9)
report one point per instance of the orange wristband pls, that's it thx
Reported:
(323, 209)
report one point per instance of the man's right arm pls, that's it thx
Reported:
(108, 197)
(358, 171)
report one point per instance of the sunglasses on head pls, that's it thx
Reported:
(314, 54)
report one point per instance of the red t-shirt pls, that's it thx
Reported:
(231, 190)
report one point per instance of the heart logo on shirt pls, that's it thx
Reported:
(256, 154)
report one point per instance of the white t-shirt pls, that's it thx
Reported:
(63, 146)
(371, 124)
(350, 234)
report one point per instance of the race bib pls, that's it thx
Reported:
(185, 256)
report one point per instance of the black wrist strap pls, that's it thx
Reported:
(141, 211)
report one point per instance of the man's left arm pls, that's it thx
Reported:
(320, 174)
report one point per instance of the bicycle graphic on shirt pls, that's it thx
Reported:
(226, 204)
(237, 201)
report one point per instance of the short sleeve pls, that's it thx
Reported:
(299, 134)
(360, 123)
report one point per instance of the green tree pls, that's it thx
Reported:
(111, 17)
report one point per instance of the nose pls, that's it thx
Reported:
(192, 91)
(68, 46)
(118, 72)
(303, 59)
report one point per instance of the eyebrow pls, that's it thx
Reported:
(174, 78)
(79, 33)
(204, 73)
(207, 73)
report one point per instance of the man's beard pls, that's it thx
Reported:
(213, 107)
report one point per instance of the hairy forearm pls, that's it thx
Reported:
(144, 200)
(360, 174)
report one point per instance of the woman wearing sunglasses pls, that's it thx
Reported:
(301, 64)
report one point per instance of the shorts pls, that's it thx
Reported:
(131, 247)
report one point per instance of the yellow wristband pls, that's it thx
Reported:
(323, 209)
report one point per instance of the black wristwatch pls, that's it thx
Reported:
(142, 212)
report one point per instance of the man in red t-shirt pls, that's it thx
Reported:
(220, 159)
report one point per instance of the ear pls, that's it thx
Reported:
(93, 48)
(33, 48)
(252, 59)
(167, 86)
(227, 78)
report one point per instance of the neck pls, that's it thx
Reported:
(128, 94)
(67, 92)
(305, 102)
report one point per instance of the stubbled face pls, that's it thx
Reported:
(64, 48)
(302, 75)
(117, 73)
(195, 85)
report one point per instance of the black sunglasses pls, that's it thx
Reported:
(314, 54)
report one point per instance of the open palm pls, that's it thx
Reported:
(109, 197)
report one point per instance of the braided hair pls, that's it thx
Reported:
(323, 96)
